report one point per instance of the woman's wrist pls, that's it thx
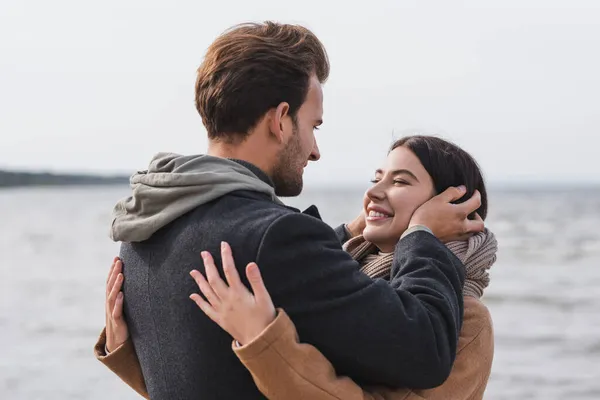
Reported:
(242, 341)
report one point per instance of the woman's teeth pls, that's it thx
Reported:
(377, 214)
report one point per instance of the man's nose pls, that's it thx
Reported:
(315, 154)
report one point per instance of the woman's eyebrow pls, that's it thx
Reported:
(405, 172)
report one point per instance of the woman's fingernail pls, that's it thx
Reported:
(462, 188)
(223, 246)
(120, 296)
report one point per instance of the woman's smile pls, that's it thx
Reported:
(378, 214)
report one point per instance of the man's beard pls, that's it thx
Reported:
(287, 173)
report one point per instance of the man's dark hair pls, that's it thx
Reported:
(252, 68)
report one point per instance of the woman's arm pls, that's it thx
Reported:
(123, 362)
(284, 368)
(114, 347)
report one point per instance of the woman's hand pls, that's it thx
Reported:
(116, 328)
(231, 305)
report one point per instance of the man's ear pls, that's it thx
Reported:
(279, 120)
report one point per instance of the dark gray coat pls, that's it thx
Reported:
(403, 333)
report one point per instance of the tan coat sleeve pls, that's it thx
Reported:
(285, 369)
(123, 362)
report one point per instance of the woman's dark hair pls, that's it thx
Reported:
(448, 165)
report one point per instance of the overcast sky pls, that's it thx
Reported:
(102, 86)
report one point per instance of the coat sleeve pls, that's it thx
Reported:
(342, 233)
(285, 369)
(123, 362)
(401, 334)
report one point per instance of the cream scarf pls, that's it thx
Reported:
(478, 254)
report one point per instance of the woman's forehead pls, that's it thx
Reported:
(402, 158)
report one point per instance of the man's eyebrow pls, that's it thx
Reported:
(400, 172)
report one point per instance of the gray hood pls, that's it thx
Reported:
(174, 185)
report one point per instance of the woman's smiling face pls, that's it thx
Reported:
(399, 188)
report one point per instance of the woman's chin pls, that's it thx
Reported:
(373, 234)
(380, 235)
(366, 234)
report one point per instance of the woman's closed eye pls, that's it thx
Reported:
(396, 181)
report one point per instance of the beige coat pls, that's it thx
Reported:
(285, 369)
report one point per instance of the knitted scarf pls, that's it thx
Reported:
(478, 254)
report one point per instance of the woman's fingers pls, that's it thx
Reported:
(205, 307)
(231, 274)
(117, 311)
(261, 294)
(116, 327)
(116, 288)
(206, 289)
(110, 271)
(470, 205)
(111, 276)
(212, 275)
(236, 310)
(474, 225)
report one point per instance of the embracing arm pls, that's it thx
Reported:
(285, 369)
(123, 362)
(401, 335)
(122, 359)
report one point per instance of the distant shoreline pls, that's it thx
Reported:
(16, 179)
(10, 179)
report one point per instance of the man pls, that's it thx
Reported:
(259, 94)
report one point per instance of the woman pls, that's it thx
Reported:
(416, 169)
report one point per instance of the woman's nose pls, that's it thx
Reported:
(376, 192)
